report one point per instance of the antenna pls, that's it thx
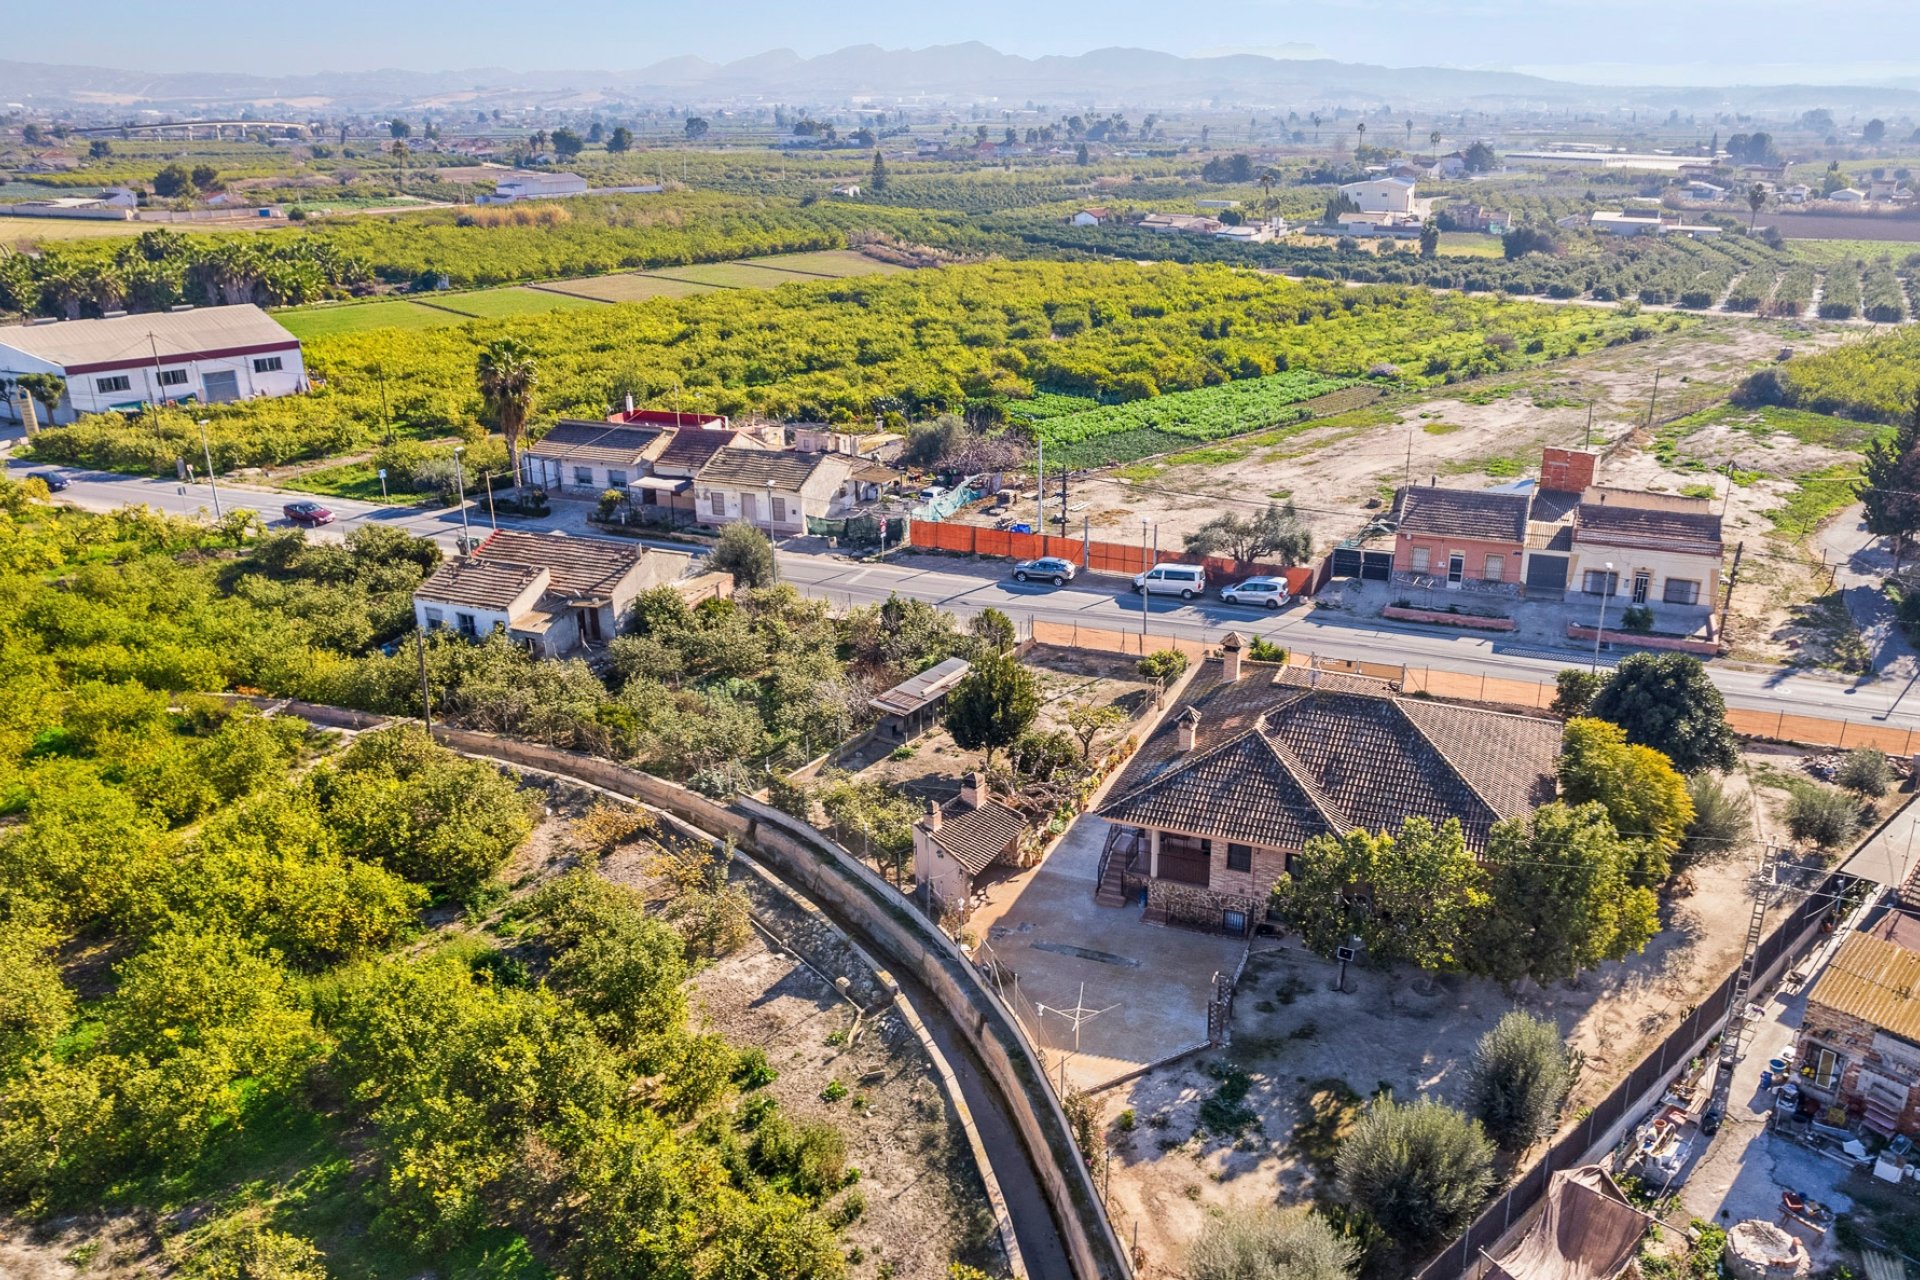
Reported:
(1078, 1016)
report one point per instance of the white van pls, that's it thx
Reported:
(1183, 580)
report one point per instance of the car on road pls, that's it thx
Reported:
(1268, 593)
(1046, 569)
(54, 481)
(1183, 580)
(311, 514)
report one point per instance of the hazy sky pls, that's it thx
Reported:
(1648, 40)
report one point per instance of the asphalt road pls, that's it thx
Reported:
(965, 587)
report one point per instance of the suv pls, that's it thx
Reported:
(1268, 592)
(1183, 580)
(1047, 568)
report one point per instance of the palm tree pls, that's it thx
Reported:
(1409, 130)
(1433, 140)
(1360, 139)
(1316, 126)
(1266, 186)
(1756, 201)
(506, 374)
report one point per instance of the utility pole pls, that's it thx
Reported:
(206, 451)
(426, 699)
(460, 478)
(1040, 490)
(486, 481)
(1653, 399)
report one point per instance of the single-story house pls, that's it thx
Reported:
(1634, 222)
(1859, 1044)
(209, 354)
(1181, 223)
(775, 490)
(956, 842)
(1453, 537)
(1256, 759)
(1699, 189)
(1848, 195)
(911, 707)
(587, 458)
(1090, 217)
(1664, 549)
(549, 592)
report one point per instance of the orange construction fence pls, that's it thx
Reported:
(1122, 558)
(1778, 726)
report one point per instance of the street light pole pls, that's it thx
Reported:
(1600, 625)
(206, 451)
(460, 479)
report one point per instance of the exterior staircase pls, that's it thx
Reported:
(1124, 844)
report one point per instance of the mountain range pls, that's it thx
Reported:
(957, 73)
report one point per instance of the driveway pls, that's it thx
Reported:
(1861, 564)
(1150, 983)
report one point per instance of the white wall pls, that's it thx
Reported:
(84, 394)
(484, 620)
(1659, 566)
(1380, 197)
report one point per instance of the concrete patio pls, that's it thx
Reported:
(1151, 983)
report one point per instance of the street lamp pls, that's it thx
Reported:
(1600, 626)
(460, 479)
(206, 451)
(1143, 590)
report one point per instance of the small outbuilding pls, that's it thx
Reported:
(911, 707)
(955, 844)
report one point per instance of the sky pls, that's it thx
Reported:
(1620, 41)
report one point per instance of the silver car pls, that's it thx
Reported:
(1269, 593)
(1046, 569)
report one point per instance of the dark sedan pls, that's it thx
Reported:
(54, 481)
(310, 514)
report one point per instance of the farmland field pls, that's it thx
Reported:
(1099, 434)
(628, 288)
(827, 262)
(513, 301)
(308, 323)
(730, 275)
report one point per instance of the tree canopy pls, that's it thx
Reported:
(1646, 799)
(1668, 702)
(994, 703)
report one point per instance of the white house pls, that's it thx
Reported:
(1385, 195)
(773, 490)
(535, 186)
(210, 354)
(1798, 193)
(1848, 195)
(549, 592)
(1089, 217)
(1699, 190)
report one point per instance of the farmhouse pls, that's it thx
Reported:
(1663, 547)
(1181, 224)
(1252, 764)
(1460, 537)
(1385, 195)
(1090, 217)
(211, 355)
(772, 490)
(550, 593)
(1860, 1039)
(588, 458)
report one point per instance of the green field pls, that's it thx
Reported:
(827, 262)
(628, 287)
(516, 301)
(730, 275)
(331, 319)
(1831, 253)
(1470, 244)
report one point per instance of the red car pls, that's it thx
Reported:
(311, 514)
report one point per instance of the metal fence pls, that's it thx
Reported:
(1463, 1259)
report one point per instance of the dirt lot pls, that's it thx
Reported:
(1311, 1055)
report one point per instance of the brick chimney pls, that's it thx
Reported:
(1567, 470)
(933, 815)
(1189, 728)
(1230, 649)
(974, 790)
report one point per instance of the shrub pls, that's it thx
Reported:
(1419, 1169)
(1272, 1244)
(1163, 664)
(1266, 651)
(1519, 1079)
(1722, 822)
(1574, 689)
(1865, 772)
(1823, 816)
(1637, 618)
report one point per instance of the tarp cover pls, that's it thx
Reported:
(1587, 1231)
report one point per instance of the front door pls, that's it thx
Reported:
(749, 509)
(1641, 581)
(590, 625)
(1456, 569)
(220, 386)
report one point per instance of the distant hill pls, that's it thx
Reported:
(970, 72)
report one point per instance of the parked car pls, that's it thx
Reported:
(1183, 580)
(54, 481)
(1047, 568)
(311, 514)
(1269, 593)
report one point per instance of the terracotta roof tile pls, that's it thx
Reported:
(978, 836)
(581, 567)
(1464, 513)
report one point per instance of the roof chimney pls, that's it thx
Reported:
(1189, 728)
(974, 790)
(1230, 648)
(933, 815)
(629, 403)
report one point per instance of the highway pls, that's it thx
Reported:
(965, 587)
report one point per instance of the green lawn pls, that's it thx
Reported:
(729, 275)
(515, 300)
(628, 287)
(328, 320)
(826, 262)
(1470, 244)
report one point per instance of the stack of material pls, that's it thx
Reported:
(1759, 1250)
(1588, 1231)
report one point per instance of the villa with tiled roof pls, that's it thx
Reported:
(1256, 760)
